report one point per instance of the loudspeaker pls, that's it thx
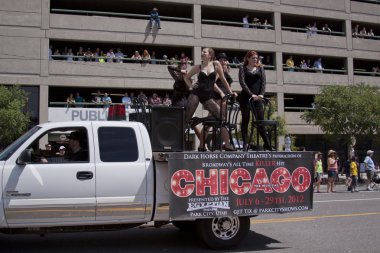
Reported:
(167, 128)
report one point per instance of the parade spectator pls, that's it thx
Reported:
(354, 174)
(326, 29)
(70, 100)
(318, 65)
(57, 55)
(70, 55)
(308, 63)
(266, 25)
(165, 60)
(318, 171)
(155, 100)
(369, 169)
(363, 32)
(61, 151)
(255, 23)
(88, 55)
(79, 100)
(235, 60)
(141, 96)
(290, 64)
(97, 99)
(375, 70)
(154, 17)
(64, 53)
(106, 100)
(332, 169)
(355, 34)
(110, 55)
(136, 57)
(167, 101)
(50, 52)
(346, 170)
(308, 31)
(370, 33)
(303, 65)
(102, 57)
(153, 59)
(126, 100)
(245, 21)
(119, 55)
(145, 57)
(314, 28)
(267, 60)
(80, 54)
(97, 54)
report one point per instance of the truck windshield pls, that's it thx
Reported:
(15, 145)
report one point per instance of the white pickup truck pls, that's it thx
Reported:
(109, 178)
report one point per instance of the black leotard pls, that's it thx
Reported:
(205, 86)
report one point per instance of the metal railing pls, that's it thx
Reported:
(315, 70)
(117, 14)
(305, 30)
(241, 24)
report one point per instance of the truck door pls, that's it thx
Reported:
(55, 186)
(121, 181)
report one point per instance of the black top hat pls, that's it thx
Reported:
(221, 56)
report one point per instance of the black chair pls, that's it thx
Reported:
(232, 123)
(216, 125)
(269, 126)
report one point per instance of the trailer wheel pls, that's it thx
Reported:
(223, 232)
(186, 226)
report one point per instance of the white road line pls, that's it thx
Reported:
(343, 200)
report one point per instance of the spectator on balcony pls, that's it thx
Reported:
(355, 34)
(64, 53)
(80, 54)
(88, 55)
(119, 55)
(303, 65)
(363, 32)
(167, 101)
(155, 100)
(79, 100)
(57, 55)
(308, 31)
(318, 65)
(127, 101)
(267, 60)
(154, 17)
(183, 61)
(314, 28)
(110, 55)
(97, 99)
(102, 56)
(235, 60)
(245, 21)
(70, 55)
(106, 100)
(70, 100)
(136, 57)
(165, 60)
(290, 64)
(370, 33)
(145, 57)
(255, 23)
(326, 29)
(153, 59)
(97, 54)
(50, 52)
(266, 25)
(308, 63)
(375, 70)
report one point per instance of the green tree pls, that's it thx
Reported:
(347, 111)
(13, 121)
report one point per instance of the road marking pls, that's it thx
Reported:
(311, 218)
(343, 200)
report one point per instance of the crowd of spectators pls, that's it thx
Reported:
(104, 100)
(116, 57)
(362, 32)
(255, 23)
(304, 65)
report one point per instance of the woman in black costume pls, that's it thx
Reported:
(202, 90)
(252, 81)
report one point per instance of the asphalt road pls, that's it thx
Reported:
(340, 222)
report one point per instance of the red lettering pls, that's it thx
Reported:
(177, 177)
(261, 182)
(223, 178)
(301, 179)
(280, 180)
(234, 181)
(202, 182)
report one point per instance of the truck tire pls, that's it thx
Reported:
(186, 226)
(223, 232)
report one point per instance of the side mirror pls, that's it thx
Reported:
(25, 157)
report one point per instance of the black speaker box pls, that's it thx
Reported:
(167, 128)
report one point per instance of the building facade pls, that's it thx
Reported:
(28, 28)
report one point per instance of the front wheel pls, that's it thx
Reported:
(223, 232)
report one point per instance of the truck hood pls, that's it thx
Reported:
(1, 165)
